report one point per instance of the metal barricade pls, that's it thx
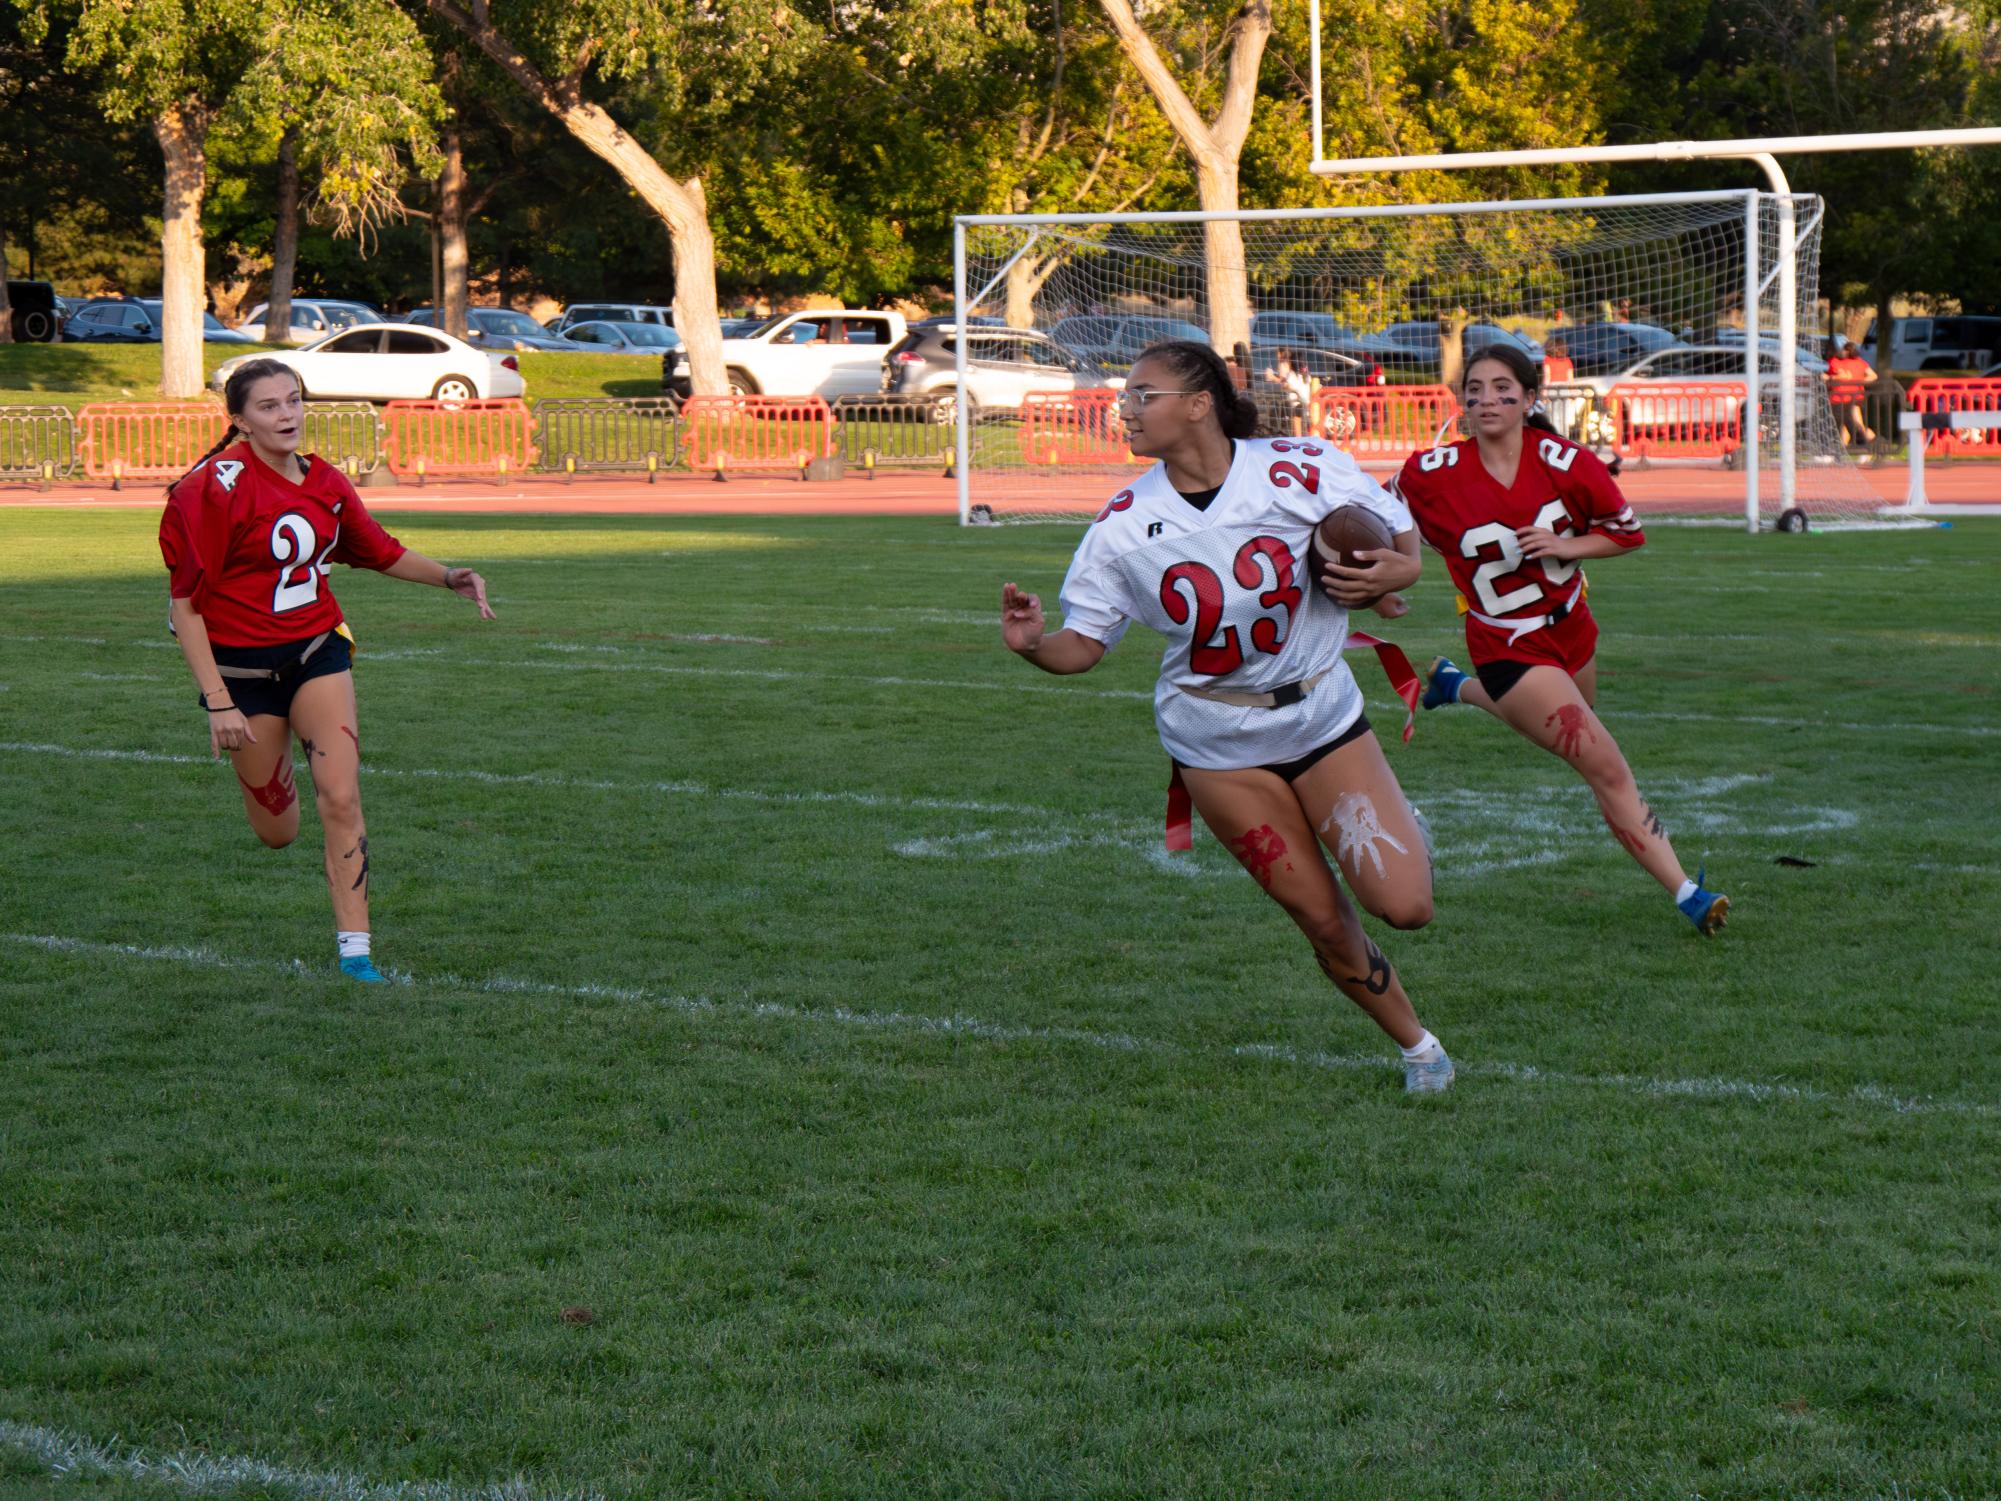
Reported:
(1671, 420)
(605, 434)
(884, 432)
(458, 437)
(121, 440)
(1956, 394)
(347, 434)
(1382, 421)
(1073, 427)
(37, 443)
(756, 432)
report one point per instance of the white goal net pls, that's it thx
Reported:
(1648, 314)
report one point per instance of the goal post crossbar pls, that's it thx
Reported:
(1371, 211)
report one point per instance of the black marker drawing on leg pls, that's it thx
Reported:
(360, 881)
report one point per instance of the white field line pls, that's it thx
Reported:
(1478, 832)
(69, 1455)
(588, 784)
(704, 1008)
(1612, 716)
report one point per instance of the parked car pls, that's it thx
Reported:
(943, 320)
(1415, 344)
(1948, 343)
(1323, 365)
(606, 337)
(135, 320)
(1809, 357)
(38, 312)
(494, 328)
(1302, 331)
(831, 352)
(613, 312)
(312, 317)
(1600, 348)
(395, 361)
(1002, 365)
(1118, 339)
(1700, 365)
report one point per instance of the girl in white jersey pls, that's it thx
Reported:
(1262, 717)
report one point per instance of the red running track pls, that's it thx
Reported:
(1657, 490)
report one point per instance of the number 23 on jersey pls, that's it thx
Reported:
(1217, 648)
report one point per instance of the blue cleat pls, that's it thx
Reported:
(1708, 910)
(1443, 688)
(361, 967)
(1434, 1077)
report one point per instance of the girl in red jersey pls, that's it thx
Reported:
(247, 536)
(1514, 509)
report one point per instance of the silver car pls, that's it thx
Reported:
(1002, 366)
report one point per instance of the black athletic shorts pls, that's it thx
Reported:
(1498, 677)
(262, 679)
(1292, 771)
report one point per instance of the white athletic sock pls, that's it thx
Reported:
(1688, 889)
(1426, 1050)
(352, 945)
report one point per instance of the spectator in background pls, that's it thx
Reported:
(1847, 374)
(1298, 388)
(1556, 363)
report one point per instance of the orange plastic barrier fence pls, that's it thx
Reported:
(1073, 427)
(756, 432)
(121, 440)
(457, 437)
(1956, 394)
(1665, 420)
(1383, 421)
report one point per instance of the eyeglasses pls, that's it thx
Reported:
(1141, 396)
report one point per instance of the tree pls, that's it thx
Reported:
(1216, 142)
(694, 54)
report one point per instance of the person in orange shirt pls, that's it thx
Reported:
(1846, 373)
(1556, 362)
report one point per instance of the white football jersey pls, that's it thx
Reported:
(1228, 588)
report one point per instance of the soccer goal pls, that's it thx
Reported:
(1665, 308)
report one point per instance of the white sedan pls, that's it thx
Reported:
(394, 362)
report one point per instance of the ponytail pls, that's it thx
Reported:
(1200, 368)
(1539, 419)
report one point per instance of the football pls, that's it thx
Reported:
(1348, 530)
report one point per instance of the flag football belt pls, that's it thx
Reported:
(275, 674)
(1520, 628)
(1284, 696)
(1396, 667)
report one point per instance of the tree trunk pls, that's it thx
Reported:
(182, 132)
(502, 290)
(285, 246)
(451, 313)
(1452, 346)
(6, 307)
(1886, 334)
(1216, 146)
(1223, 254)
(682, 206)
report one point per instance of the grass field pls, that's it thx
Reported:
(812, 1080)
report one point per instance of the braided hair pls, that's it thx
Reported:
(235, 395)
(1200, 368)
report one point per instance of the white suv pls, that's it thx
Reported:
(312, 318)
(828, 353)
(1002, 366)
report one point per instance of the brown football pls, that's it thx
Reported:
(1348, 530)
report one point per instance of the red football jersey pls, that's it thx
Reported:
(251, 547)
(1463, 512)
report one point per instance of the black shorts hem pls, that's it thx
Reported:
(1292, 771)
(273, 696)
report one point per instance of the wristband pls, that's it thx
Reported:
(202, 699)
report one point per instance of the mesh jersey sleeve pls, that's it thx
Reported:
(363, 543)
(1594, 497)
(1094, 598)
(194, 532)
